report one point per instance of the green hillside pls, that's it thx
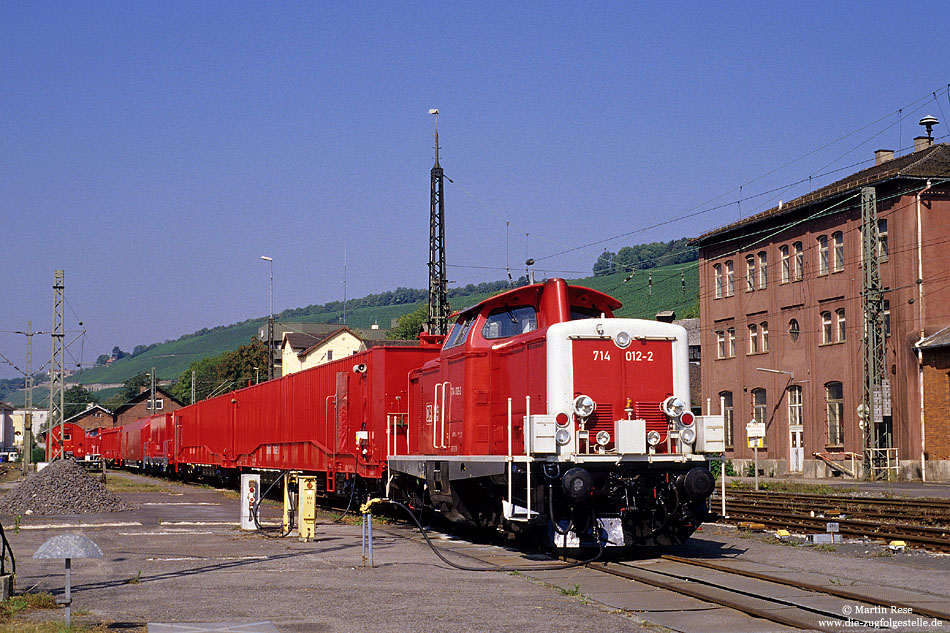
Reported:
(173, 357)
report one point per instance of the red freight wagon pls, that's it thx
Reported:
(109, 443)
(132, 439)
(329, 419)
(78, 443)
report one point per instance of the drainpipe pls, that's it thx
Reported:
(920, 322)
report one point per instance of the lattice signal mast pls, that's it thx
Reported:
(438, 320)
(58, 364)
(873, 395)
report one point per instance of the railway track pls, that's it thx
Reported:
(806, 607)
(918, 522)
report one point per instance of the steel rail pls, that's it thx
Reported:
(743, 604)
(840, 593)
(917, 534)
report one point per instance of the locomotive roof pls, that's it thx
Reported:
(531, 295)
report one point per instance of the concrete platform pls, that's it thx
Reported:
(188, 563)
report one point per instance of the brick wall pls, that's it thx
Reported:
(937, 403)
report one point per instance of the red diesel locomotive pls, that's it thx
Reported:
(539, 412)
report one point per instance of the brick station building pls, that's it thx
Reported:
(783, 322)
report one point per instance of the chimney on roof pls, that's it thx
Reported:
(922, 142)
(883, 155)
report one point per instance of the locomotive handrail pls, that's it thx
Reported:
(442, 415)
(435, 412)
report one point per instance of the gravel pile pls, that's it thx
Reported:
(63, 487)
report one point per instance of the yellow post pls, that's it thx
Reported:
(307, 508)
(285, 521)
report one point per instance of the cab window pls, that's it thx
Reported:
(578, 312)
(505, 322)
(459, 333)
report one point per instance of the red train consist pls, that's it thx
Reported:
(538, 412)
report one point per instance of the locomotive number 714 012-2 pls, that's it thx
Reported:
(633, 356)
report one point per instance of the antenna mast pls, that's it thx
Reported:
(437, 322)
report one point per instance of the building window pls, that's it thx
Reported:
(730, 279)
(720, 344)
(717, 272)
(827, 332)
(764, 336)
(159, 404)
(695, 353)
(839, 317)
(763, 270)
(786, 264)
(759, 409)
(795, 406)
(882, 250)
(837, 260)
(798, 265)
(329, 354)
(753, 339)
(887, 318)
(749, 273)
(793, 330)
(731, 342)
(822, 254)
(725, 405)
(834, 405)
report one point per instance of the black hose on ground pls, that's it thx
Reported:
(4, 550)
(504, 568)
(267, 531)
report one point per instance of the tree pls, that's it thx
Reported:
(118, 353)
(102, 359)
(234, 369)
(77, 398)
(410, 325)
(604, 264)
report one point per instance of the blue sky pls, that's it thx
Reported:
(155, 150)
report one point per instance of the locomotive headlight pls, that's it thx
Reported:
(603, 438)
(622, 340)
(583, 406)
(653, 438)
(673, 407)
(562, 437)
(688, 435)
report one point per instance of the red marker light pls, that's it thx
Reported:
(561, 419)
(687, 418)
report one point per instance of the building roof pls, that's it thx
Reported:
(90, 408)
(5, 406)
(940, 339)
(143, 396)
(930, 162)
(301, 340)
(326, 337)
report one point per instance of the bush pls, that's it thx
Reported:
(715, 467)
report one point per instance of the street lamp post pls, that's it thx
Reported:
(270, 321)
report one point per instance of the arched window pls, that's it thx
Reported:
(717, 273)
(730, 279)
(794, 330)
(798, 265)
(763, 270)
(839, 316)
(838, 256)
(822, 254)
(786, 264)
(753, 338)
(827, 333)
(764, 336)
(795, 406)
(834, 407)
(725, 404)
(759, 408)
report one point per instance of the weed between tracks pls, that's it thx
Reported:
(792, 486)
